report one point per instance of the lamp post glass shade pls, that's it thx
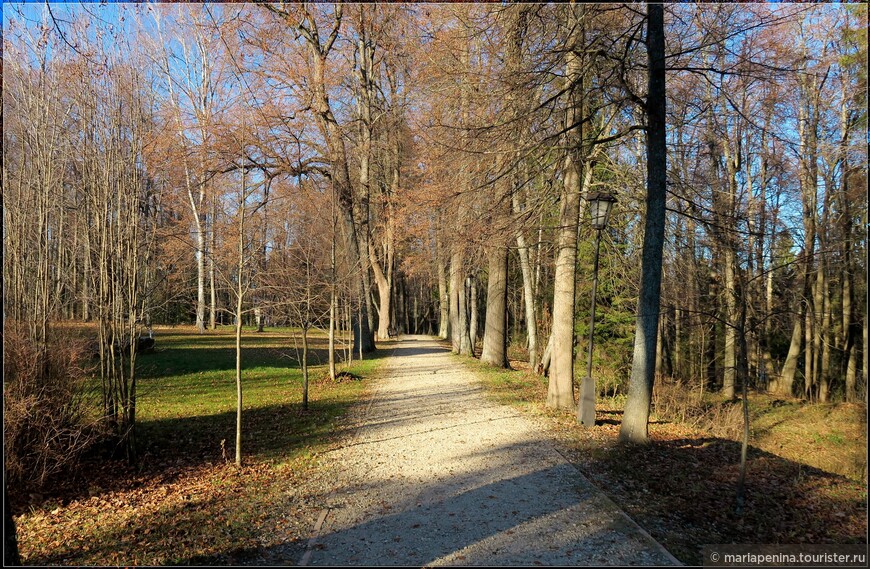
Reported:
(599, 208)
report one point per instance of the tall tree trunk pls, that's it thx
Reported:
(400, 304)
(516, 105)
(849, 339)
(239, 372)
(415, 314)
(73, 294)
(743, 376)
(384, 274)
(212, 315)
(864, 363)
(528, 300)
(635, 417)
(460, 333)
(726, 215)
(821, 302)
(457, 315)
(366, 285)
(850, 348)
(348, 326)
(678, 370)
(660, 350)
(365, 95)
(200, 266)
(560, 388)
(86, 279)
(784, 384)
(443, 301)
(809, 373)
(826, 340)
(406, 308)
(730, 361)
(808, 119)
(495, 332)
(357, 256)
(851, 373)
(473, 314)
(385, 293)
(528, 288)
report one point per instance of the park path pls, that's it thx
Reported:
(438, 474)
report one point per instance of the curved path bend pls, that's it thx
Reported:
(439, 474)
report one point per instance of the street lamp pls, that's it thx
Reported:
(599, 207)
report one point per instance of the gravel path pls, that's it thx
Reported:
(438, 474)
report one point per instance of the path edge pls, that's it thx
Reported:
(321, 518)
(607, 499)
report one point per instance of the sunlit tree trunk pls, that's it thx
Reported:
(473, 318)
(333, 298)
(808, 121)
(635, 417)
(729, 269)
(212, 315)
(560, 390)
(460, 333)
(443, 300)
(495, 331)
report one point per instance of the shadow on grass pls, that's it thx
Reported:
(176, 356)
(169, 447)
(271, 432)
(169, 362)
(686, 489)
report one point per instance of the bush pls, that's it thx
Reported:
(49, 411)
(676, 402)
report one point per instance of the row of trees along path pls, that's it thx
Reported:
(422, 168)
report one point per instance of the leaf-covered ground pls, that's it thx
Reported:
(185, 502)
(682, 487)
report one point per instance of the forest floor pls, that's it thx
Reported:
(806, 466)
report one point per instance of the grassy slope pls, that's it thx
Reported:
(185, 503)
(832, 437)
(681, 488)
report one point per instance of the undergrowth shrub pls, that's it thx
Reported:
(677, 402)
(50, 412)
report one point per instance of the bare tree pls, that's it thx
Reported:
(636, 415)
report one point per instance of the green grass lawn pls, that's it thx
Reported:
(185, 501)
(187, 395)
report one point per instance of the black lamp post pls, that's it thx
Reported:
(599, 208)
